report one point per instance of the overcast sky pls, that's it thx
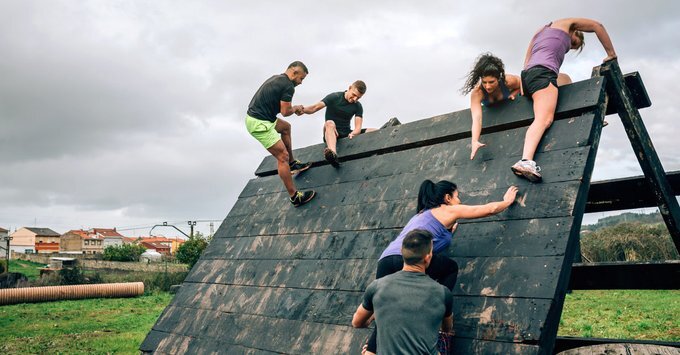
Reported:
(130, 113)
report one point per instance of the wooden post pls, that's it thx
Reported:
(649, 161)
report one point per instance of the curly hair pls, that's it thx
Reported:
(485, 65)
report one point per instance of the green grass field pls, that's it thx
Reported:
(95, 326)
(28, 268)
(120, 325)
(622, 314)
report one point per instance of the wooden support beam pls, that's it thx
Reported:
(626, 276)
(638, 91)
(566, 343)
(626, 193)
(621, 97)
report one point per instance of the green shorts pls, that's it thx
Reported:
(264, 131)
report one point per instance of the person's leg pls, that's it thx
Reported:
(283, 127)
(563, 79)
(279, 151)
(545, 101)
(331, 135)
(443, 270)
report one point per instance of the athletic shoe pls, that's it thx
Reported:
(527, 169)
(297, 166)
(331, 157)
(300, 198)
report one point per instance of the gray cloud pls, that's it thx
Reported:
(126, 113)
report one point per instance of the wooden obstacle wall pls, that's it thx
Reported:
(287, 280)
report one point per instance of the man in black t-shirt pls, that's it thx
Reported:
(340, 108)
(409, 306)
(273, 97)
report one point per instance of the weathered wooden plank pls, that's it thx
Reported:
(566, 343)
(320, 306)
(621, 348)
(505, 145)
(626, 193)
(526, 237)
(500, 319)
(534, 277)
(573, 100)
(483, 347)
(643, 147)
(566, 165)
(322, 245)
(626, 276)
(535, 201)
(348, 275)
(490, 238)
(264, 333)
(637, 90)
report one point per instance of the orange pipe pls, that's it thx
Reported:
(75, 292)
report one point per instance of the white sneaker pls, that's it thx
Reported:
(527, 169)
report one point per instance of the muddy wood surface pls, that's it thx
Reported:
(287, 280)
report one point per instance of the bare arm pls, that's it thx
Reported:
(513, 83)
(447, 324)
(588, 25)
(358, 120)
(362, 317)
(314, 108)
(454, 212)
(476, 112)
(288, 109)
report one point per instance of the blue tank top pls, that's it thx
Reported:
(548, 49)
(504, 89)
(424, 220)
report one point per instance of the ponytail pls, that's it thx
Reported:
(432, 195)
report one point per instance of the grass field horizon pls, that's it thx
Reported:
(120, 325)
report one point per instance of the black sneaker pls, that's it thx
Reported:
(297, 166)
(300, 198)
(331, 157)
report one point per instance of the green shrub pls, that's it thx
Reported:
(191, 250)
(125, 252)
(629, 242)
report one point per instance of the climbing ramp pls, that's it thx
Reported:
(278, 279)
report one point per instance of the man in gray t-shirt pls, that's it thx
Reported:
(409, 306)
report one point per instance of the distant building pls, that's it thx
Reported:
(161, 248)
(109, 236)
(71, 242)
(35, 240)
(93, 244)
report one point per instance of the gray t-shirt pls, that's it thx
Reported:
(409, 308)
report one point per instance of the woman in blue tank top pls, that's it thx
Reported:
(438, 210)
(488, 84)
(542, 64)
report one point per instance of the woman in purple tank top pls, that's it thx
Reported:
(438, 210)
(539, 79)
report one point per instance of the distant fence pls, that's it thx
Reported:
(103, 264)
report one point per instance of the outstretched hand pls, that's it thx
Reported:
(609, 57)
(299, 110)
(510, 194)
(474, 147)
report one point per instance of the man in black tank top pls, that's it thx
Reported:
(340, 107)
(272, 98)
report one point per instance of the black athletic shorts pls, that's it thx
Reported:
(537, 78)
(340, 135)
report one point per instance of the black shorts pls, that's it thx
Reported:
(342, 135)
(537, 78)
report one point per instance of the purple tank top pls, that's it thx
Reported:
(550, 46)
(425, 220)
